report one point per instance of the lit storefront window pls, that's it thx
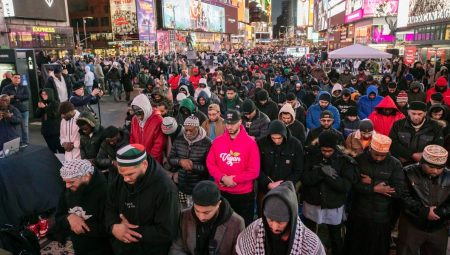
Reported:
(41, 37)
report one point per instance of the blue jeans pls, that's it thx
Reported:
(116, 89)
(24, 127)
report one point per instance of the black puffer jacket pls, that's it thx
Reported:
(420, 191)
(406, 141)
(196, 151)
(368, 204)
(320, 189)
(283, 162)
(258, 126)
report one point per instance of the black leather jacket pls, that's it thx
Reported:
(406, 141)
(420, 192)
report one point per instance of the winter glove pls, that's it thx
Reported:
(329, 171)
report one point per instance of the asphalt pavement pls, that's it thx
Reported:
(112, 113)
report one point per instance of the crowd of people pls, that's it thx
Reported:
(251, 156)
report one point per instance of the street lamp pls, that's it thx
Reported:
(84, 30)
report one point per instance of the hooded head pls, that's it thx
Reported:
(277, 132)
(203, 95)
(87, 123)
(441, 82)
(50, 95)
(372, 90)
(409, 77)
(323, 97)
(141, 101)
(187, 104)
(185, 88)
(415, 85)
(336, 87)
(283, 114)
(87, 69)
(157, 94)
(387, 106)
(437, 112)
(280, 206)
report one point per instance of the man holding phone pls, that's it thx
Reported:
(10, 120)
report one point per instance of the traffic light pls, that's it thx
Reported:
(156, 48)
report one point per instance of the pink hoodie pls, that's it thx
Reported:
(239, 157)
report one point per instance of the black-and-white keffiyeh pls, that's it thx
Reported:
(251, 240)
(76, 168)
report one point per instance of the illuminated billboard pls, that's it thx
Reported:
(321, 15)
(380, 8)
(415, 12)
(146, 19)
(33, 9)
(382, 34)
(193, 15)
(358, 9)
(302, 13)
(123, 17)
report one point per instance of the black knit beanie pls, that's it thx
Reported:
(206, 193)
(327, 139)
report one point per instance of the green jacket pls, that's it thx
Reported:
(143, 79)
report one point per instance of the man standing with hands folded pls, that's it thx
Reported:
(233, 161)
(375, 193)
(141, 207)
(426, 203)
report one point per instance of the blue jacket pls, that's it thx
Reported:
(280, 79)
(21, 96)
(314, 111)
(366, 105)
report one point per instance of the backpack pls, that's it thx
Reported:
(20, 241)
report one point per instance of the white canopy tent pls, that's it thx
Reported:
(359, 51)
